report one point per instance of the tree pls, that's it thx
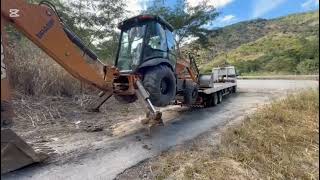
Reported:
(108, 48)
(187, 21)
(94, 21)
(97, 18)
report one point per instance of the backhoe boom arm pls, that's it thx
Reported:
(42, 26)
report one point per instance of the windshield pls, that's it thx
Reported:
(130, 48)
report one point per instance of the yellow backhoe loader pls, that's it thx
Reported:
(145, 69)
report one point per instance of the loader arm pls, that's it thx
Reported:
(41, 25)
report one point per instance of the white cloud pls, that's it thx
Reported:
(214, 3)
(310, 4)
(228, 18)
(225, 20)
(136, 6)
(261, 7)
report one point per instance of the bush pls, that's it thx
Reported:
(309, 66)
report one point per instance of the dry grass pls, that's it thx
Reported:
(279, 141)
(35, 73)
(38, 112)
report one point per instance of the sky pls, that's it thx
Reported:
(233, 11)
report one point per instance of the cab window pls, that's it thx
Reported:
(171, 45)
(156, 42)
(171, 41)
(157, 37)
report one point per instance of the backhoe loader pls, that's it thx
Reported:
(145, 69)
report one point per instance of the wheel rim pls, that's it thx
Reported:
(164, 86)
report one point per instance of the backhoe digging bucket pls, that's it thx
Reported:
(16, 153)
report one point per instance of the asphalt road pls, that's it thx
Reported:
(114, 155)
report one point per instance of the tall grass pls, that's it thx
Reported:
(279, 141)
(32, 72)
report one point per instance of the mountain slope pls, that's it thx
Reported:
(284, 45)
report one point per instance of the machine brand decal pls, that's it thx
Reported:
(3, 65)
(45, 29)
(14, 13)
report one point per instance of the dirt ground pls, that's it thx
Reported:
(67, 129)
(44, 120)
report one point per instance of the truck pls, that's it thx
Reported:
(214, 86)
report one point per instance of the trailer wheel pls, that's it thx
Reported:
(219, 97)
(207, 101)
(215, 99)
(234, 89)
(160, 82)
(190, 93)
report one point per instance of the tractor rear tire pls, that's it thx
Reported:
(191, 93)
(160, 82)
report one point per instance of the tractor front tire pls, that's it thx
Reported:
(160, 82)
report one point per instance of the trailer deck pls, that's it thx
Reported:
(218, 87)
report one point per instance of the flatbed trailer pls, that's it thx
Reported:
(218, 87)
(220, 83)
(208, 97)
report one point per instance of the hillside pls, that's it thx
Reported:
(284, 45)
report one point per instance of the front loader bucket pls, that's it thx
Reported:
(16, 153)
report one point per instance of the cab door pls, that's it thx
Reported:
(172, 53)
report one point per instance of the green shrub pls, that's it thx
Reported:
(308, 66)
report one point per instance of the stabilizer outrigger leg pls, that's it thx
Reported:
(103, 97)
(153, 116)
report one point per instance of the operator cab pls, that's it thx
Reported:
(145, 40)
